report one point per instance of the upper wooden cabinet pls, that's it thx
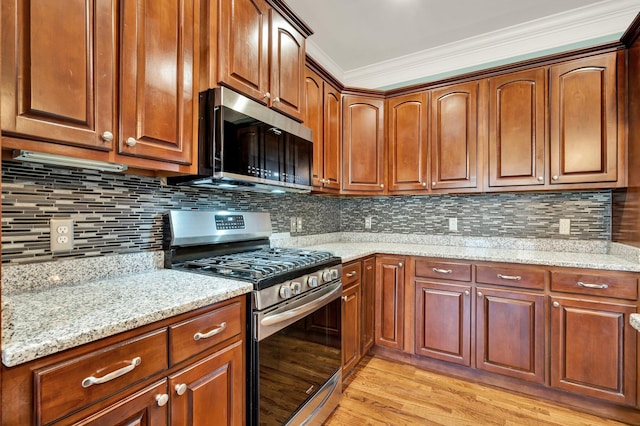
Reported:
(408, 142)
(584, 120)
(261, 55)
(58, 71)
(517, 106)
(158, 94)
(323, 117)
(363, 144)
(454, 136)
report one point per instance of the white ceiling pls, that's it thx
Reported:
(386, 43)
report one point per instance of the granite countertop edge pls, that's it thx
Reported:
(43, 323)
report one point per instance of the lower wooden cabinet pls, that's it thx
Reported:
(351, 301)
(144, 408)
(389, 301)
(510, 330)
(210, 391)
(593, 349)
(443, 321)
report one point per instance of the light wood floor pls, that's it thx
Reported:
(381, 392)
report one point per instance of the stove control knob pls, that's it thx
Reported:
(285, 291)
(312, 282)
(326, 276)
(296, 288)
(334, 274)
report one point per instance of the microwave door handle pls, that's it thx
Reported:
(301, 311)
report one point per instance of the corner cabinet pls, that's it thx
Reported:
(363, 144)
(261, 55)
(584, 136)
(408, 142)
(158, 89)
(389, 301)
(454, 137)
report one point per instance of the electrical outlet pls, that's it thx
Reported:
(367, 222)
(453, 224)
(61, 238)
(565, 226)
(299, 224)
(294, 225)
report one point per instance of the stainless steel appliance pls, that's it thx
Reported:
(244, 145)
(294, 326)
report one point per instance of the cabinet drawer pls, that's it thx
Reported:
(511, 277)
(204, 331)
(619, 287)
(74, 384)
(351, 273)
(443, 270)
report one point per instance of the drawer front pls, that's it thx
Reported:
(195, 335)
(511, 277)
(351, 273)
(443, 270)
(619, 287)
(74, 384)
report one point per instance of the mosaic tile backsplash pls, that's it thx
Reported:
(123, 213)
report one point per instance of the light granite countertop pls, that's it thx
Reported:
(50, 319)
(352, 251)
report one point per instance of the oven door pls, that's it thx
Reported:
(296, 359)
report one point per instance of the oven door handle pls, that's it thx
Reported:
(301, 311)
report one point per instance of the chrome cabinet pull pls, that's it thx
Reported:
(181, 388)
(351, 274)
(107, 136)
(587, 285)
(162, 399)
(442, 271)
(89, 381)
(213, 332)
(510, 277)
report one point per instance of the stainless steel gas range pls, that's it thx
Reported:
(293, 327)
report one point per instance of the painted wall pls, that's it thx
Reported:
(123, 213)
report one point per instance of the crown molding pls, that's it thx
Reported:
(604, 19)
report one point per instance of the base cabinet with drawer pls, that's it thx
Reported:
(189, 369)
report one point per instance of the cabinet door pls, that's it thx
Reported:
(210, 391)
(350, 327)
(58, 62)
(140, 409)
(443, 321)
(158, 96)
(243, 47)
(314, 119)
(583, 115)
(363, 144)
(454, 136)
(407, 168)
(287, 67)
(332, 138)
(510, 333)
(389, 302)
(367, 289)
(517, 128)
(593, 349)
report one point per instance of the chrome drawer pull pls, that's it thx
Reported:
(587, 285)
(351, 274)
(213, 332)
(510, 277)
(113, 375)
(442, 271)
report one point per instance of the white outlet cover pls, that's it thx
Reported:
(565, 226)
(453, 224)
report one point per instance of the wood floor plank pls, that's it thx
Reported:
(381, 392)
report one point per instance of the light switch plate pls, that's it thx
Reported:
(294, 225)
(367, 222)
(453, 224)
(61, 238)
(299, 224)
(565, 226)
